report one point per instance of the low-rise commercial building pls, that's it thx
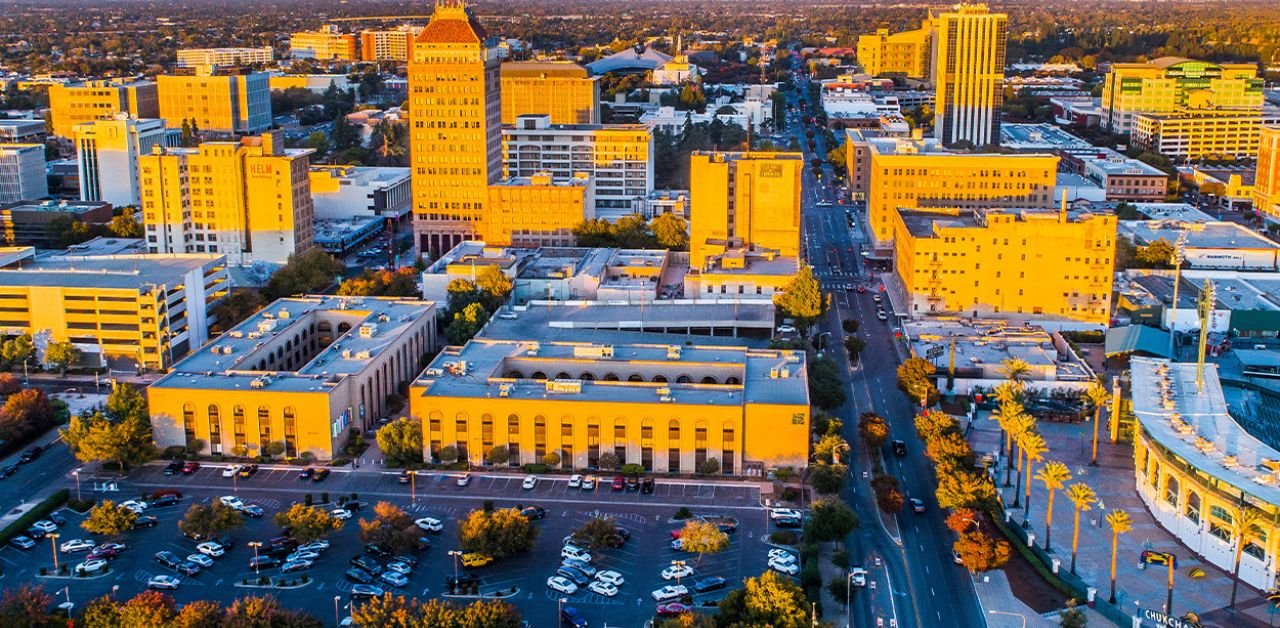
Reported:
(1028, 264)
(1126, 179)
(978, 349)
(619, 157)
(1196, 468)
(22, 131)
(220, 102)
(28, 223)
(1208, 133)
(540, 210)
(305, 372)
(906, 53)
(22, 175)
(563, 90)
(193, 57)
(315, 83)
(1231, 187)
(107, 153)
(73, 103)
(341, 192)
(668, 408)
(127, 312)
(1208, 245)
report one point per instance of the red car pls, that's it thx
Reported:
(107, 550)
(619, 483)
(672, 609)
(862, 289)
(190, 467)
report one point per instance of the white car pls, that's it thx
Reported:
(603, 588)
(135, 505)
(859, 576)
(562, 584)
(430, 524)
(231, 471)
(610, 576)
(394, 578)
(46, 526)
(786, 329)
(163, 581)
(76, 545)
(530, 482)
(670, 592)
(211, 548)
(575, 481)
(201, 559)
(778, 513)
(464, 479)
(589, 483)
(314, 546)
(677, 571)
(787, 567)
(93, 565)
(301, 555)
(232, 501)
(576, 553)
(399, 567)
(780, 553)
(341, 514)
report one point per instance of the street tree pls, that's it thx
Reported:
(950, 447)
(915, 378)
(766, 600)
(702, 538)
(827, 479)
(498, 533)
(825, 388)
(965, 489)
(1054, 476)
(597, 533)
(60, 356)
(15, 351)
(801, 299)
(126, 401)
(873, 429)
(205, 522)
(307, 523)
(109, 519)
(670, 231)
(97, 438)
(391, 526)
(1120, 523)
(888, 496)
(24, 413)
(961, 520)
(830, 448)
(1033, 449)
(832, 520)
(401, 441)
(1098, 396)
(981, 552)
(1082, 499)
(932, 424)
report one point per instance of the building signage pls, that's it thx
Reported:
(1162, 619)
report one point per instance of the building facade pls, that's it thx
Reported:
(1126, 179)
(1266, 184)
(249, 200)
(561, 89)
(1034, 264)
(107, 153)
(905, 53)
(123, 311)
(304, 372)
(232, 103)
(326, 44)
(744, 202)
(666, 408)
(453, 62)
(388, 45)
(194, 57)
(1170, 84)
(342, 192)
(894, 173)
(73, 103)
(968, 74)
(27, 223)
(540, 210)
(619, 157)
(1203, 133)
(22, 176)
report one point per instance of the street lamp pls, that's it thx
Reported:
(413, 485)
(455, 554)
(337, 620)
(677, 564)
(256, 568)
(848, 601)
(560, 609)
(77, 474)
(114, 588)
(53, 544)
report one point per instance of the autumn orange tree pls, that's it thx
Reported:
(888, 496)
(980, 551)
(391, 526)
(873, 429)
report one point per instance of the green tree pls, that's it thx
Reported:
(873, 429)
(448, 454)
(1157, 254)
(125, 224)
(318, 142)
(801, 299)
(609, 461)
(830, 448)
(391, 526)
(461, 293)
(344, 135)
(97, 438)
(710, 466)
(766, 600)
(596, 534)
(25, 412)
(702, 538)
(826, 390)
(498, 455)
(832, 520)
(390, 143)
(209, 521)
(888, 496)
(401, 441)
(307, 272)
(200, 614)
(670, 231)
(61, 355)
(494, 286)
(596, 232)
(498, 533)
(489, 614)
(965, 489)
(109, 519)
(307, 523)
(16, 350)
(827, 479)
(632, 232)
(915, 377)
(466, 324)
(126, 401)
(230, 310)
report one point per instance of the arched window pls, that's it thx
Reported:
(660, 378)
(732, 381)
(610, 377)
(264, 428)
(343, 327)
(635, 377)
(189, 423)
(684, 379)
(538, 375)
(215, 429)
(673, 429)
(563, 375)
(1171, 491)
(290, 433)
(587, 377)
(515, 375)
(709, 380)
(1193, 507)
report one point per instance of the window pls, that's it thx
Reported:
(1220, 513)
(237, 432)
(215, 429)
(1171, 491)
(1193, 507)
(673, 460)
(673, 430)
(290, 433)
(189, 423)
(264, 429)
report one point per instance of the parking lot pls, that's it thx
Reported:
(640, 561)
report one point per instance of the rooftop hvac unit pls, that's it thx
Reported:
(363, 354)
(368, 330)
(283, 314)
(434, 372)
(504, 390)
(793, 358)
(593, 351)
(666, 399)
(533, 349)
(673, 352)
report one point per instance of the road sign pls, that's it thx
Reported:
(934, 352)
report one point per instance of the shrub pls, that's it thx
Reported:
(80, 506)
(535, 468)
(683, 513)
(37, 512)
(175, 451)
(784, 537)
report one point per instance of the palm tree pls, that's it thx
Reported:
(1009, 407)
(1015, 369)
(1120, 523)
(1034, 449)
(1097, 394)
(1082, 498)
(1019, 426)
(1244, 523)
(1054, 475)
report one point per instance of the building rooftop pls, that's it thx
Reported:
(1038, 137)
(629, 60)
(544, 69)
(486, 368)
(985, 345)
(365, 175)
(1200, 235)
(924, 223)
(1194, 424)
(1182, 212)
(609, 322)
(115, 271)
(1116, 164)
(68, 207)
(104, 246)
(363, 327)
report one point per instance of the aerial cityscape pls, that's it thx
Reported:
(643, 313)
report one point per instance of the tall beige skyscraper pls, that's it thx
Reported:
(455, 114)
(968, 73)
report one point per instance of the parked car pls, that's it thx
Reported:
(394, 578)
(575, 481)
(248, 470)
(646, 486)
(569, 616)
(677, 571)
(295, 565)
(577, 577)
(174, 467)
(341, 514)
(575, 552)
(46, 526)
(672, 609)
(22, 542)
(75, 546)
(670, 592)
(358, 575)
(211, 548)
(188, 568)
(610, 576)
(314, 546)
(790, 568)
(163, 582)
(320, 474)
(366, 591)
(232, 501)
(411, 561)
(530, 482)
(301, 555)
(585, 568)
(167, 499)
(619, 483)
(789, 522)
(399, 567)
(307, 473)
(406, 476)
(107, 550)
(189, 468)
(263, 562)
(464, 479)
(91, 566)
(145, 521)
(710, 583)
(200, 559)
(562, 585)
(476, 559)
(167, 558)
(633, 484)
(589, 483)
(231, 471)
(430, 524)
(368, 564)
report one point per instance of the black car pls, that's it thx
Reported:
(248, 470)
(174, 468)
(31, 454)
(35, 533)
(368, 564)
(8, 471)
(406, 559)
(188, 568)
(377, 549)
(633, 484)
(163, 500)
(57, 518)
(576, 576)
(354, 505)
(320, 475)
(253, 510)
(263, 562)
(226, 542)
(276, 551)
(709, 584)
(145, 521)
(306, 474)
(534, 512)
(788, 522)
(356, 574)
(899, 448)
(168, 559)
(646, 486)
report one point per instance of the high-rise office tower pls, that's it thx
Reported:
(968, 73)
(456, 126)
(107, 153)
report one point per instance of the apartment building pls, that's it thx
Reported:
(195, 57)
(388, 45)
(229, 102)
(326, 44)
(73, 103)
(906, 53)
